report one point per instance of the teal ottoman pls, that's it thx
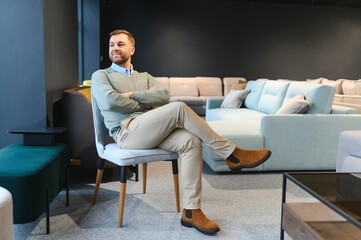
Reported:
(34, 175)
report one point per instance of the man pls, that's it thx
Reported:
(138, 114)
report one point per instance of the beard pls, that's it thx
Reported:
(118, 58)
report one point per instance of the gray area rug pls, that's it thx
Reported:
(245, 205)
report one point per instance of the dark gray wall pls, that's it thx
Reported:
(22, 92)
(33, 73)
(61, 50)
(231, 38)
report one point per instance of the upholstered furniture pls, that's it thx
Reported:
(6, 215)
(349, 152)
(306, 141)
(350, 95)
(192, 90)
(124, 158)
(233, 83)
(79, 121)
(348, 92)
(34, 175)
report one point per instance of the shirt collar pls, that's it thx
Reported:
(125, 71)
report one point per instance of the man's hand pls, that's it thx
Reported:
(153, 87)
(128, 95)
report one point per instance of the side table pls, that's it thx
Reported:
(36, 136)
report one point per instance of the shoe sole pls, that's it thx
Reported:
(254, 165)
(189, 225)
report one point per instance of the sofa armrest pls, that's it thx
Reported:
(336, 109)
(214, 102)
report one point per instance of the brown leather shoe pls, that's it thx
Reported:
(242, 158)
(195, 218)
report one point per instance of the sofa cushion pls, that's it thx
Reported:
(352, 99)
(209, 86)
(164, 81)
(254, 95)
(234, 98)
(272, 96)
(295, 105)
(229, 81)
(320, 95)
(233, 113)
(315, 81)
(334, 83)
(183, 86)
(351, 87)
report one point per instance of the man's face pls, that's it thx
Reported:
(120, 50)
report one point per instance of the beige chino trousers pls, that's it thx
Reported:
(176, 127)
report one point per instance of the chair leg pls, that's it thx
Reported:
(98, 179)
(97, 184)
(136, 173)
(144, 177)
(122, 191)
(176, 183)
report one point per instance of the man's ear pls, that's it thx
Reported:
(132, 51)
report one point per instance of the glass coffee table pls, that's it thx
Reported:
(335, 213)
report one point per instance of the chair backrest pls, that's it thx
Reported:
(101, 132)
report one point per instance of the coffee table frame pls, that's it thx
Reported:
(289, 176)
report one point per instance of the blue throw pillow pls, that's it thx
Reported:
(234, 98)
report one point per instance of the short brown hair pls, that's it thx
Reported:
(122, 31)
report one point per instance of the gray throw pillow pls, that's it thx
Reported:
(295, 105)
(234, 98)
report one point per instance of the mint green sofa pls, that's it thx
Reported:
(299, 142)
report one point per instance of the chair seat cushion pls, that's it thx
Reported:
(125, 157)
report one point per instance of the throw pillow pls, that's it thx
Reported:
(234, 98)
(295, 105)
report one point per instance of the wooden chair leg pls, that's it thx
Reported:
(97, 184)
(176, 183)
(144, 177)
(122, 191)
(176, 190)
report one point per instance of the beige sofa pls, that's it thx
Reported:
(192, 90)
(350, 95)
(232, 83)
(348, 92)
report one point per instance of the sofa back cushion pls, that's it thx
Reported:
(254, 95)
(334, 83)
(321, 96)
(351, 87)
(209, 86)
(272, 96)
(183, 86)
(164, 81)
(229, 81)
